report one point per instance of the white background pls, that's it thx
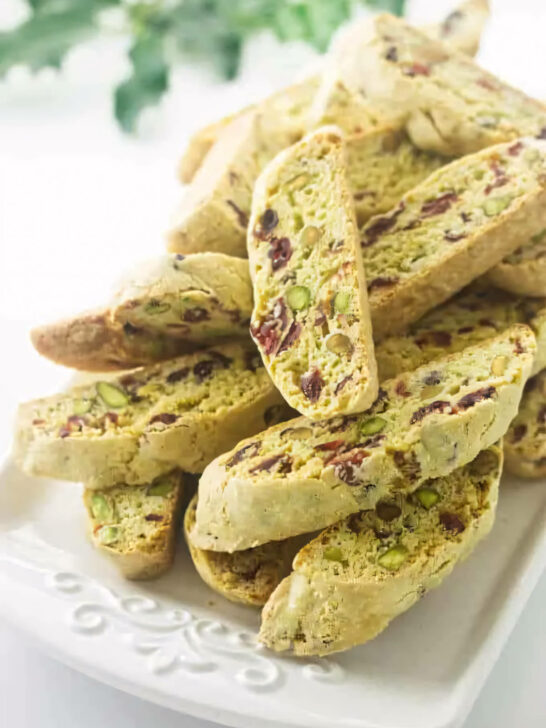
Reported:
(79, 202)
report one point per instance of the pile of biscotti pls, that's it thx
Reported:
(351, 317)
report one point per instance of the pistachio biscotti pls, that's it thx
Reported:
(448, 103)
(139, 425)
(304, 475)
(458, 223)
(310, 320)
(477, 313)
(524, 271)
(246, 577)
(165, 307)
(525, 442)
(137, 525)
(355, 577)
(462, 29)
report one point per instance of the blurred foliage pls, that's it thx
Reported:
(163, 31)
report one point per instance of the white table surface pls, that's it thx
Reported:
(78, 203)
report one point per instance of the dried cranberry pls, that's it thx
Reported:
(382, 282)
(439, 338)
(542, 133)
(267, 222)
(345, 467)
(438, 405)
(465, 329)
(449, 24)
(203, 369)
(515, 149)
(487, 322)
(401, 389)
(392, 54)
(342, 383)
(381, 225)
(466, 216)
(469, 400)
(280, 252)
(329, 446)
(518, 433)
(79, 421)
(249, 451)
(111, 417)
(242, 217)
(153, 517)
(373, 441)
(267, 336)
(439, 205)
(451, 522)
(178, 375)
(408, 464)
(284, 461)
(166, 418)
(38, 421)
(312, 384)
(417, 69)
(291, 337)
(518, 348)
(320, 317)
(195, 315)
(388, 511)
(453, 237)
(381, 403)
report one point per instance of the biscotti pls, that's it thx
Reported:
(477, 313)
(525, 442)
(139, 425)
(213, 213)
(304, 475)
(285, 111)
(354, 578)
(311, 321)
(165, 307)
(137, 525)
(524, 271)
(458, 223)
(462, 29)
(246, 577)
(448, 103)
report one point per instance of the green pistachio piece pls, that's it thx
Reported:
(495, 205)
(101, 508)
(155, 307)
(111, 395)
(81, 406)
(298, 297)
(479, 173)
(427, 497)
(342, 301)
(333, 553)
(310, 235)
(498, 365)
(108, 535)
(162, 488)
(373, 426)
(339, 344)
(393, 558)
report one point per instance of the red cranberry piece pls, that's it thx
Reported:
(439, 205)
(312, 384)
(469, 400)
(178, 375)
(195, 315)
(451, 522)
(166, 418)
(280, 252)
(291, 337)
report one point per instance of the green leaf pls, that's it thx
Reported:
(53, 29)
(148, 81)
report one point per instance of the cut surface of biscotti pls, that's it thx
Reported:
(304, 475)
(477, 313)
(524, 271)
(447, 102)
(454, 226)
(525, 442)
(137, 525)
(311, 321)
(141, 424)
(355, 577)
(247, 577)
(166, 307)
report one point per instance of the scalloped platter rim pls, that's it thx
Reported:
(177, 643)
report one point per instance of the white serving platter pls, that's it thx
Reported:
(178, 644)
